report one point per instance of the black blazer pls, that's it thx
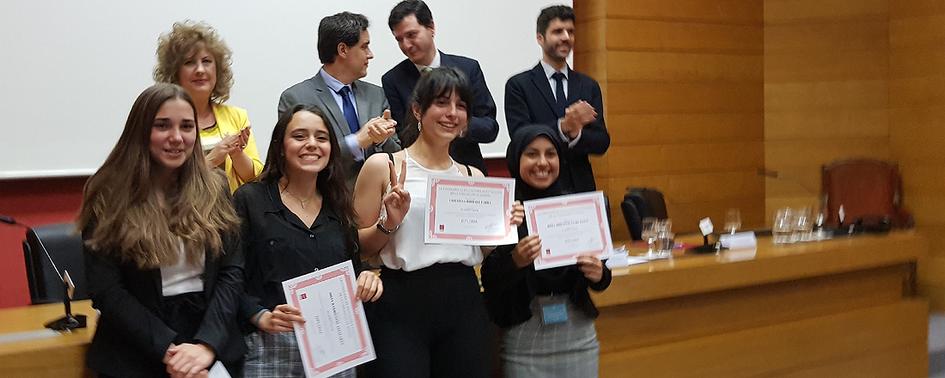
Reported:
(398, 85)
(529, 100)
(131, 338)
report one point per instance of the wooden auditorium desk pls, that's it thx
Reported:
(840, 308)
(56, 356)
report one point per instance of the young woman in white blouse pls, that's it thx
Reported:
(431, 320)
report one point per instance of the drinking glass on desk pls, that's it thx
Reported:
(648, 234)
(819, 232)
(665, 239)
(803, 226)
(783, 226)
(733, 221)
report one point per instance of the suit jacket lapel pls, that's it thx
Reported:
(361, 102)
(541, 83)
(330, 106)
(445, 60)
(574, 87)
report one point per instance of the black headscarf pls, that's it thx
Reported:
(513, 156)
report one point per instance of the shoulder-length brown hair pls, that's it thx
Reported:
(438, 82)
(181, 43)
(120, 214)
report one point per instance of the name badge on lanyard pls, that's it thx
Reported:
(554, 310)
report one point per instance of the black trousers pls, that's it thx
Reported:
(430, 323)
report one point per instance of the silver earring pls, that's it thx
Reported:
(419, 126)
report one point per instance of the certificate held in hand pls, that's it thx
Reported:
(335, 336)
(569, 226)
(469, 210)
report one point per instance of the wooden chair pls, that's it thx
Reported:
(870, 192)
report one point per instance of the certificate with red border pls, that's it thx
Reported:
(469, 210)
(569, 226)
(335, 336)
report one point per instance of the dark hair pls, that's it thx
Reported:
(410, 7)
(344, 27)
(331, 182)
(561, 12)
(436, 83)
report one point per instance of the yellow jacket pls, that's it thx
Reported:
(231, 120)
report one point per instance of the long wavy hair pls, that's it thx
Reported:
(121, 216)
(182, 42)
(331, 181)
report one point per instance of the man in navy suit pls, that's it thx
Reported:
(565, 100)
(411, 22)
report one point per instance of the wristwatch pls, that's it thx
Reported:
(380, 226)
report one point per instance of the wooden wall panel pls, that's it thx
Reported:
(683, 67)
(826, 92)
(828, 11)
(726, 12)
(820, 35)
(719, 94)
(684, 104)
(917, 138)
(826, 124)
(680, 36)
(828, 343)
(687, 128)
(694, 97)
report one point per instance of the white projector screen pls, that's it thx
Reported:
(72, 69)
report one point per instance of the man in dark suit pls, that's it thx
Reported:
(411, 22)
(565, 100)
(358, 110)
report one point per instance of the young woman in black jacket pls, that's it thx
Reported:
(520, 299)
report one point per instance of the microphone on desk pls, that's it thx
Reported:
(69, 321)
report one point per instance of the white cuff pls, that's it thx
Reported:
(352, 141)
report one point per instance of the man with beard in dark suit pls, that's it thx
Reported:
(565, 100)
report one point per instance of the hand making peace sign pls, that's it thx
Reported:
(397, 200)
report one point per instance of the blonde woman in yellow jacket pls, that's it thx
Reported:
(194, 57)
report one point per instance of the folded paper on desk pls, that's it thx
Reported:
(13, 337)
(621, 260)
(741, 240)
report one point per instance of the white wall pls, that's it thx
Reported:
(71, 69)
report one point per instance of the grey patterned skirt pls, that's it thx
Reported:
(534, 349)
(276, 356)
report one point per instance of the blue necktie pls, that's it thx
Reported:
(351, 116)
(560, 98)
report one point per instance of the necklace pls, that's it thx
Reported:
(301, 201)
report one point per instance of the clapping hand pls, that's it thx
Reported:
(229, 144)
(576, 116)
(377, 130)
(243, 139)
